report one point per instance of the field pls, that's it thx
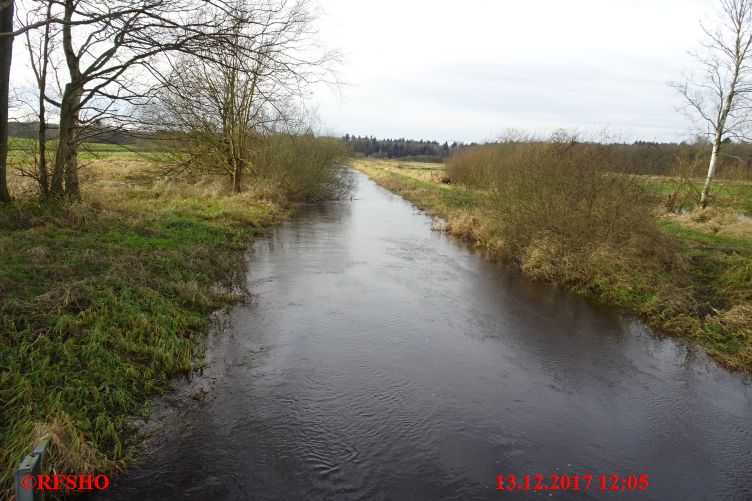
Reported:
(697, 286)
(104, 302)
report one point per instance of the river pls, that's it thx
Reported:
(381, 360)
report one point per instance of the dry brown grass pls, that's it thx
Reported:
(69, 450)
(716, 221)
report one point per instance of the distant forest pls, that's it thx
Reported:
(640, 157)
(406, 149)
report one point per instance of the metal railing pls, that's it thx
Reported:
(32, 464)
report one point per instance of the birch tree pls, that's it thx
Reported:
(721, 98)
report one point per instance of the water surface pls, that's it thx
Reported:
(381, 360)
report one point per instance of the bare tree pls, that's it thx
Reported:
(7, 35)
(722, 97)
(6, 53)
(213, 107)
(40, 46)
(220, 104)
(104, 46)
(114, 54)
(103, 57)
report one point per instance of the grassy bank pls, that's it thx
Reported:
(688, 275)
(105, 301)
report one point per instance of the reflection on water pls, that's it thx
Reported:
(381, 360)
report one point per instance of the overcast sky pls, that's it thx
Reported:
(468, 70)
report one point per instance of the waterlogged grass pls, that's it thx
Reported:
(104, 302)
(699, 286)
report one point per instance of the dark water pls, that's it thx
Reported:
(381, 360)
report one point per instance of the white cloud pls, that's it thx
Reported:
(469, 70)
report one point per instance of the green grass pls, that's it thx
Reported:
(103, 304)
(26, 145)
(698, 286)
(733, 195)
(20, 148)
(708, 239)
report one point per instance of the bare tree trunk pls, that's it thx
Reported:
(237, 174)
(720, 129)
(41, 75)
(6, 52)
(44, 184)
(705, 197)
(65, 173)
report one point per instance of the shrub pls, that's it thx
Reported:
(306, 167)
(558, 207)
(278, 166)
(558, 187)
